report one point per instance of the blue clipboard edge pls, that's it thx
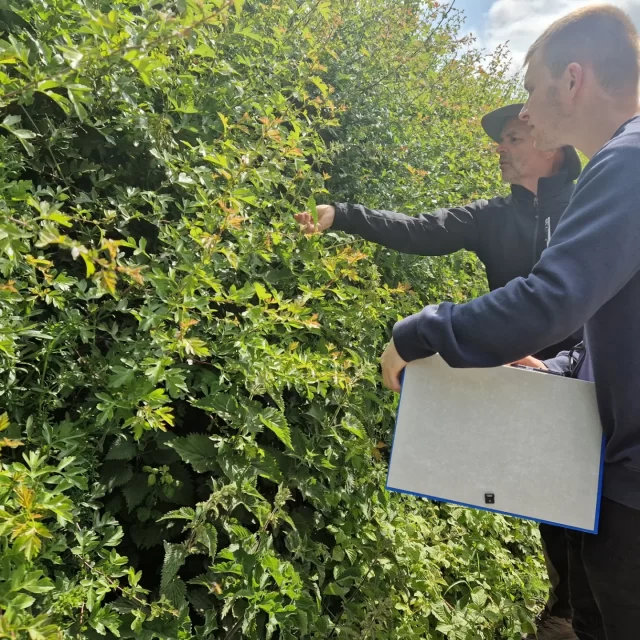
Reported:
(596, 521)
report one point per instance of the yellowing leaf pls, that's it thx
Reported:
(235, 221)
(25, 496)
(312, 322)
(6, 442)
(107, 279)
(321, 85)
(4, 421)
(9, 286)
(91, 269)
(231, 257)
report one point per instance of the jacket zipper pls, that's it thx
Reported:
(574, 366)
(535, 232)
(547, 231)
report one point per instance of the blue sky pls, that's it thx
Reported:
(475, 10)
(521, 21)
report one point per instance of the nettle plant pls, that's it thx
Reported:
(193, 433)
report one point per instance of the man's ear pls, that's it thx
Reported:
(574, 76)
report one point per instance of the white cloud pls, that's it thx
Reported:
(521, 21)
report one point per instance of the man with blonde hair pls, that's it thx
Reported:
(582, 80)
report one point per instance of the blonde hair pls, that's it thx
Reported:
(601, 36)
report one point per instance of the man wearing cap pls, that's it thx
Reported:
(508, 234)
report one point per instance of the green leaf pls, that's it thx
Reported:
(174, 557)
(312, 208)
(29, 542)
(261, 292)
(36, 582)
(303, 622)
(121, 376)
(122, 449)
(334, 589)
(176, 592)
(24, 135)
(479, 597)
(198, 450)
(184, 513)
(207, 535)
(353, 426)
(22, 601)
(176, 382)
(145, 66)
(49, 235)
(72, 55)
(277, 423)
(248, 33)
(136, 490)
(63, 102)
(205, 51)
(267, 467)
(324, 9)
(59, 218)
(115, 473)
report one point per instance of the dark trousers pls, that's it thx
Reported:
(604, 576)
(555, 546)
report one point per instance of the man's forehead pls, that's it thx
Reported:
(515, 125)
(533, 66)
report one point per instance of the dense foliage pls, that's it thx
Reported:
(194, 437)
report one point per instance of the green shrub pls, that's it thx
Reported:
(193, 429)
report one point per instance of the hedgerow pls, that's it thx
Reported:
(194, 435)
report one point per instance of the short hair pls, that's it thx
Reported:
(601, 36)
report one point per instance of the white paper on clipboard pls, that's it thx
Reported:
(518, 442)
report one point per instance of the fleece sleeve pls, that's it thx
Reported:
(593, 253)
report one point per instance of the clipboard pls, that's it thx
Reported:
(515, 441)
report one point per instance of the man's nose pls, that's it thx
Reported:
(524, 113)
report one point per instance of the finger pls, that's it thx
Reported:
(304, 220)
(395, 381)
(385, 380)
(383, 370)
(387, 376)
(307, 222)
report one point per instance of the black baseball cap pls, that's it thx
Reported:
(494, 121)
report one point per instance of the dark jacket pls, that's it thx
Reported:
(589, 275)
(507, 234)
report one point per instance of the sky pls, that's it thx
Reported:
(520, 22)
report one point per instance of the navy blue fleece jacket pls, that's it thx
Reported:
(589, 275)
